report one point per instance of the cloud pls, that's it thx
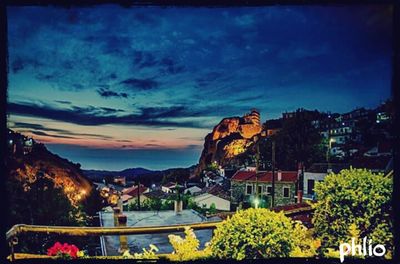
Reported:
(41, 133)
(244, 20)
(141, 84)
(171, 67)
(38, 129)
(107, 93)
(63, 102)
(90, 115)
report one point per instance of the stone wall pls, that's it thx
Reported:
(238, 192)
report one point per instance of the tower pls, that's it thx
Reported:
(255, 116)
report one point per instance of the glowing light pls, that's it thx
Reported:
(256, 202)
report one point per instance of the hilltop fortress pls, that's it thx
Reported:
(230, 138)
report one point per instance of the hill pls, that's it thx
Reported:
(27, 160)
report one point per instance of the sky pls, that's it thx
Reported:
(114, 88)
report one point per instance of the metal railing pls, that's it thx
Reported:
(16, 230)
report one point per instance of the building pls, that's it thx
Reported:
(120, 180)
(310, 178)
(192, 190)
(272, 127)
(167, 188)
(243, 187)
(317, 173)
(134, 192)
(111, 244)
(216, 195)
(158, 194)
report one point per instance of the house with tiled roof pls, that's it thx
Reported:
(167, 188)
(216, 195)
(158, 194)
(243, 187)
(133, 190)
(131, 194)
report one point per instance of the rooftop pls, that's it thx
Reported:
(152, 218)
(216, 190)
(133, 190)
(265, 176)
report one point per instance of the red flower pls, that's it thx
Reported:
(65, 249)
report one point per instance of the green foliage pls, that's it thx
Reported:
(91, 205)
(39, 203)
(212, 167)
(187, 248)
(354, 202)
(252, 234)
(146, 254)
(151, 204)
(213, 209)
(298, 140)
(304, 243)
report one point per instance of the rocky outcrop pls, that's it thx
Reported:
(230, 138)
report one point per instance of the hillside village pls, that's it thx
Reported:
(234, 173)
(221, 185)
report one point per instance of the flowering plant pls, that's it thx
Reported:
(147, 254)
(64, 251)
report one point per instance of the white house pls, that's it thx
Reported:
(167, 187)
(214, 195)
(192, 190)
(310, 178)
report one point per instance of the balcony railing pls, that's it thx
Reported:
(16, 230)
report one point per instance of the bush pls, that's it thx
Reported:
(187, 248)
(147, 254)
(354, 197)
(254, 233)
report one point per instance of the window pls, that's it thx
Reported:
(286, 192)
(310, 186)
(269, 190)
(249, 189)
(259, 189)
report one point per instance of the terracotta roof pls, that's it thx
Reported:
(169, 184)
(125, 197)
(133, 191)
(215, 190)
(265, 176)
(290, 207)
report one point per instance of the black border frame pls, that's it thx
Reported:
(206, 3)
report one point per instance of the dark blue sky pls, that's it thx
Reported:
(112, 83)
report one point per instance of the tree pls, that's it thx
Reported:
(213, 208)
(252, 234)
(39, 203)
(92, 204)
(297, 141)
(357, 198)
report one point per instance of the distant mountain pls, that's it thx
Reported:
(131, 174)
(147, 177)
